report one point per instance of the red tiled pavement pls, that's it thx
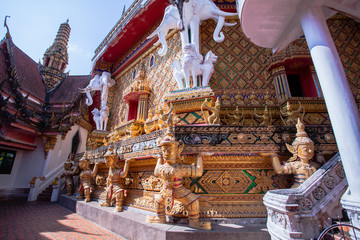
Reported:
(44, 220)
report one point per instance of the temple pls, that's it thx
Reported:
(41, 116)
(204, 112)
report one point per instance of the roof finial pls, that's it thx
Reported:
(7, 28)
(67, 21)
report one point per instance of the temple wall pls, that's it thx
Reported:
(346, 35)
(7, 181)
(27, 164)
(237, 177)
(242, 67)
(62, 149)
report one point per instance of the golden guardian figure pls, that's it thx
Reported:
(299, 164)
(115, 181)
(85, 177)
(171, 169)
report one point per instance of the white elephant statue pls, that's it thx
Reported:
(106, 83)
(104, 115)
(190, 60)
(170, 21)
(207, 68)
(97, 118)
(94, 85)
(194, 11)
(101, 117)
(99, 83)
(178, 74)
(194, 66)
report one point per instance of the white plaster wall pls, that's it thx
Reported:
(27, 165)
(7, 180)
(62, 149)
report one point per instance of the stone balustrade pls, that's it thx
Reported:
(302, 213)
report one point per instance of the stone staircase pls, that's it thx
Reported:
(46, 194)
(302, 213)
(18, 194)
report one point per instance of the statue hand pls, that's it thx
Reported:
(206, 154)
(156, 155)
(130, 160)
(267, 154)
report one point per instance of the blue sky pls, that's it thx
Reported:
(34, 23)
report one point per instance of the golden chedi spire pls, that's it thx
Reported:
(56, 57)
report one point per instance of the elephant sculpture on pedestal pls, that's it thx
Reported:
(194, 66)
(94, 85)
(194, 11)
(99, 83)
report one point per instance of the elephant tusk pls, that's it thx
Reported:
(218, 12)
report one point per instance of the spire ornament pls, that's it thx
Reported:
(7, 28)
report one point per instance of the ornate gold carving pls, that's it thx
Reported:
(266, 117)
(96, 139)
(291, 116)
(214, 118)
(49, 143)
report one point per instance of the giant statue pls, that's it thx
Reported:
(85, 177)
(299, 164)
(115, 181)
(171, 169)
(99, 83)
(187, 15)
(69, 173)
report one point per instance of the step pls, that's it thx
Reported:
(18, 194)
(131, 224)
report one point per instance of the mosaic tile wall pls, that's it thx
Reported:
(346, 35)
(241, 65)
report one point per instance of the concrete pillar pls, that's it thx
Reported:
(281, 83)
(316, 81)
(341, 105)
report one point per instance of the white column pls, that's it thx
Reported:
(343, 112)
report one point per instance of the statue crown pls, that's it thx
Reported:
(301, 135)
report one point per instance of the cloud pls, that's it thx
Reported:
(74, 48)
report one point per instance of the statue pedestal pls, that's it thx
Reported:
(187, 104)
(131, 224)
(97, 138)
(130, 129)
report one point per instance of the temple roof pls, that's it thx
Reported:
(139, 18)
(27, 106)
(69, 88)
(29, 75)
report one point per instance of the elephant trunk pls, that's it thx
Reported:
(218, 35)
(162, 51)
(89, 100)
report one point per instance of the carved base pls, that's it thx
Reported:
(187, 104)
(97, 138)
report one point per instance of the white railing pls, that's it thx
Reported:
(302, 213)
(41, 184)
